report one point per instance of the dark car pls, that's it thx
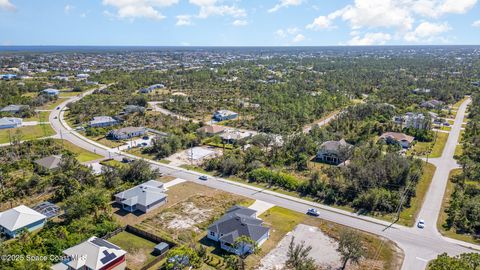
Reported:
(146, 137)
(203, 177)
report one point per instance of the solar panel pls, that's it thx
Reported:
(108, 257)
(48, 209)
(103, 243)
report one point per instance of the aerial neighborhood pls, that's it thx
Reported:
(240, 158)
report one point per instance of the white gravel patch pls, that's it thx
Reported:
(324, 249)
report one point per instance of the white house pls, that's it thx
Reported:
(15, 220)
(102, 121)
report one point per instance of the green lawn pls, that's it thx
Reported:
(27, 133)
(67, 94)
(442, 217)
(457, 105)
(421, 148)
(458, 150)
(39, 116)
(82, 154)
(138, 249)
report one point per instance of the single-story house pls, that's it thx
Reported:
(334, 152)
(93, 254)
(144, 197)
(236, 222)
(133, 109)
(126, 133)
(211, 129)
(83, 76)
(404, 140)
(413, 120)
(50, 162)
(14, 108)
(476, 83)
(432, 104)
(222, 115)
(103, 121)
(8, 76)
(51, 92)
(14, 220)
(10, 122)
(151, 88)
(232, 135)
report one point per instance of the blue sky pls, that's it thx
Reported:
(239, 22)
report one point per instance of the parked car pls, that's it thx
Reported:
(126, 160)
(144, 144)
(203, 177)
(146, 137)
(313, 212)
(421, 224)
(58, 108)
(55, 117)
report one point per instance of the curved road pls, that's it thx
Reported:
(419, 246)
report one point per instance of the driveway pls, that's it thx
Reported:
(261, 206)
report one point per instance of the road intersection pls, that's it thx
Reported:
(419, 246)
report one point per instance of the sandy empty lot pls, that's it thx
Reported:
(324, 249)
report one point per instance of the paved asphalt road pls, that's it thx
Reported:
(419, 246)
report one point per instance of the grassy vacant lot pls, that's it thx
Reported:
(442, 217)
(67, 94)
(52, 105)
(281, 221)
(27, 133)
(422, 148)
(82, 154)
(39, 116)
(138, 249)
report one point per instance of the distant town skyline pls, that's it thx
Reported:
(239, 22)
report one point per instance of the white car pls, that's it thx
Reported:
(313, 212)
(421, 224)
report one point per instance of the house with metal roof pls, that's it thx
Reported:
(222, 115)
(238, 221)
(51, 91)
(93, 254)
(14, 108)
(15, 220)
(103, 121)
(126, 133)
(50, 162)
(10, 122)
(144, 197)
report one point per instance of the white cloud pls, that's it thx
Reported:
(285, 3)
(6, 5)
(476, 23)
(68, 8)
(320, 22)
(210, 8)
(426, 31)
(298, 38)
(400, 18)
(240, 23)
(139, 8)
(184, 20)
(369, 39)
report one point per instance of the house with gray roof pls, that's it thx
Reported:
(126, 133)
(103, 121)
(238, 221)
(50, 162)
(144, 197)
(51, 92)
(10, 122)
(14, 108)
(334, 152)
(15, 220)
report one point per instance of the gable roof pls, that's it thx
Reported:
(143, 194)
(397, 136)
(212, 129)
(239, 221)
(334, 146)
(94, 253)
(19, 217)
(50, 162)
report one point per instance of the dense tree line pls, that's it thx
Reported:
(464, 209)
